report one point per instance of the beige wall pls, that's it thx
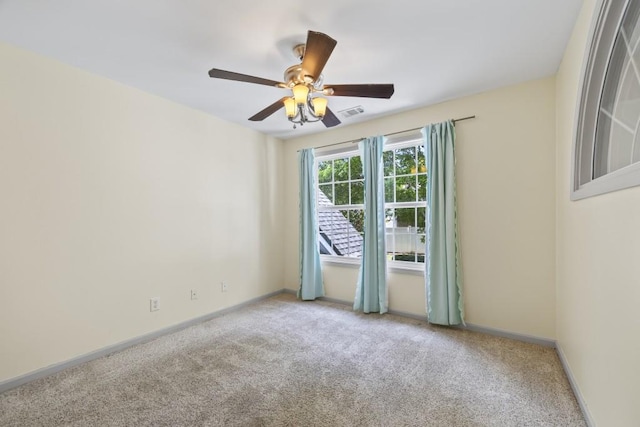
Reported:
(506, 178)
(598, 274)
(110, 196)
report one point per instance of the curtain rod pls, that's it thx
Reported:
(392, 133)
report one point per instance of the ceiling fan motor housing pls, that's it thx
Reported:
(297, 75)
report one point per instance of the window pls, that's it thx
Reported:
(341, 204)
(405, 195)
(607, 145)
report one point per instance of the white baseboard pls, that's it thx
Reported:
(105, 351)
(546, 342)
(574, 386)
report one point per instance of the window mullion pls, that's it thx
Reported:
(415, 234)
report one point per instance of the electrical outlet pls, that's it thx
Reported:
(224, 287)
(154, 304)
(194, 294)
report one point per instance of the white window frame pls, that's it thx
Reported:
(604, 29)
(390, 144)
(338, 156)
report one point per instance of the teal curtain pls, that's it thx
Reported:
(371, 290)
(311, 286)
(442, 264)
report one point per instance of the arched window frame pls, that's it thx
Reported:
(588, 180)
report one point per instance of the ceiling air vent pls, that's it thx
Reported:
(350, 112)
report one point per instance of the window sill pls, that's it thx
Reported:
(341, 261)
(394, 267)
(406, 268)
(621, 179)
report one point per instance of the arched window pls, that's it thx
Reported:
(607, 143)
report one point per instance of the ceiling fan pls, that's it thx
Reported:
(306, 82)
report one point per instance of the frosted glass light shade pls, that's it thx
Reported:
(320, 106)
(300, 93)
(290, 107)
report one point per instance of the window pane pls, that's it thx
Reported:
(422, 162)
(601, 148)
(389, 219)
(630, 24)
(347, 237)
(388, 190)
(405, 161)
(405, 246)
(342, 194)
(406, 189)
(325, 171)
(617, 63)
(405, 217)
(328, 223)
(627, 107)
(357, 192)
(327, 190)
(325, 248)
(421, 242)
(387, 159)
(422, 221)
(389, 245)
(405, 239)
(356, 167)
(341, 234)
(422, 188)
(356, 218)
(341, 169)
(621, 151)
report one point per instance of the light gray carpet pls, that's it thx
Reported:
(282, 362)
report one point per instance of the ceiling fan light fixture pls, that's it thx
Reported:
(290, 107)
(300, 94)
(319, 106)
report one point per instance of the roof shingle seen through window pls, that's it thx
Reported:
(337, 230)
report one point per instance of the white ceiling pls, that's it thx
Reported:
(432, 50)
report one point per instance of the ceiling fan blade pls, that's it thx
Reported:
(362, 91)
(268, 111)
(316, 53)
(330, 120)
(230, 75)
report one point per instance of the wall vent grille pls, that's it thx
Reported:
(350, 112)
